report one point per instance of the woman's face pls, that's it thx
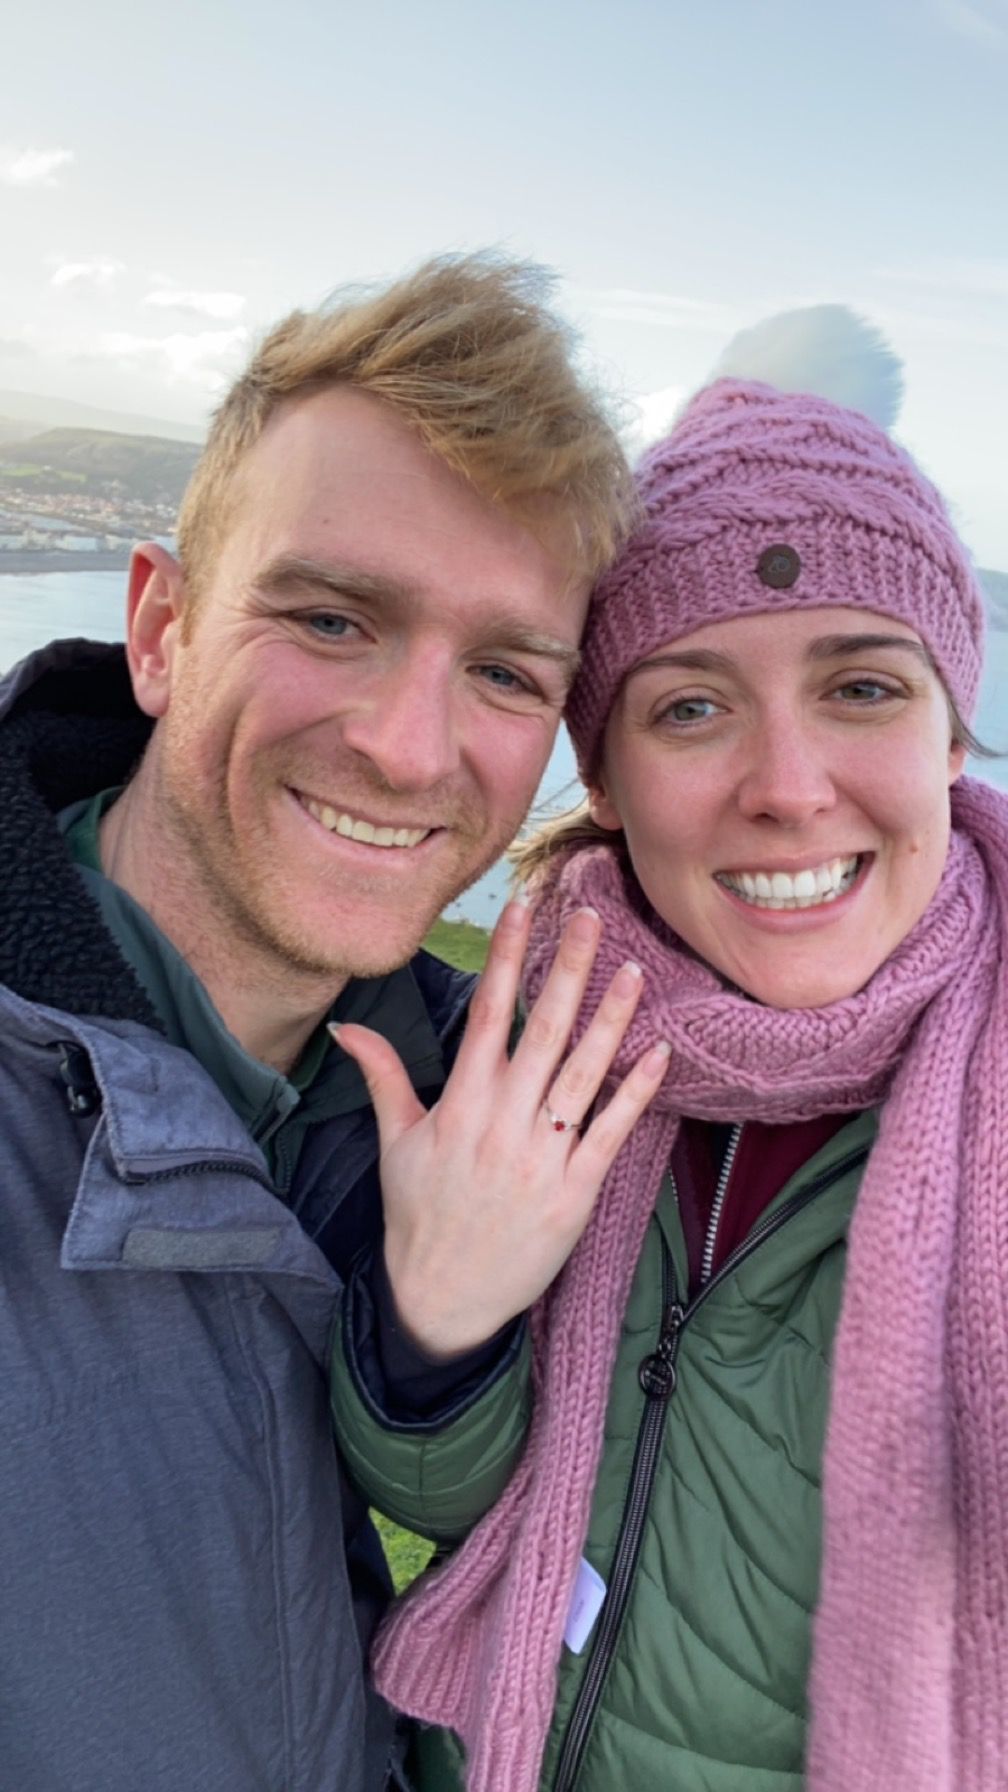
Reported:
(782, 782)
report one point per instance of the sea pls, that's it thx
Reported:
(40, 607)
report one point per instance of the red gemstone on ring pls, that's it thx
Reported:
(559, 1126)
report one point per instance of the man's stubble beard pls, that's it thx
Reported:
(235, 910)
(239, 908)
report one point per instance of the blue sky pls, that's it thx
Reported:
(173, 178)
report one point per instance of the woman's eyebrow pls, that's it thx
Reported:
(829, 647)
(695, 660)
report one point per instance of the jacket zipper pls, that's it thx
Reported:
(658, 1377)
(200, 1167)
(717, 1204)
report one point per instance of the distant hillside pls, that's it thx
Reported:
(13, 429)
(148, 468)
(995, 586)
(43, 412)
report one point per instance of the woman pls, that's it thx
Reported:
(812, 1216)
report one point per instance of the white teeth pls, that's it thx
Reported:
(803, 889)
(351, 829)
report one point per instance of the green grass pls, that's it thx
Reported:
(406, 1555)
(62, 476)
(460, 943)
(465, 946)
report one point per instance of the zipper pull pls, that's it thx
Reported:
(75, 1069)
(657, 1373)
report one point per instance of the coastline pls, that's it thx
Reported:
(41, 560)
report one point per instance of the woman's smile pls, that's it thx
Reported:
(811, 887)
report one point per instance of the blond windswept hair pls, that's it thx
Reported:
(532, 853)
(467, 353)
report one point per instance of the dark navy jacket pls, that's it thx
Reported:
(187, 1581)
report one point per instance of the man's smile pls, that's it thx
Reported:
(356, 827)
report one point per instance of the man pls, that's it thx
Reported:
(333, 712)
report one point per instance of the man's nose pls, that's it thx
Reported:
(787, 778)
(404, 723)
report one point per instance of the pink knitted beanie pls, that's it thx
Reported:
(762, 500)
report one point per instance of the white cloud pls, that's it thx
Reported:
(196, 359)
(97, 271)
(33, 167)
(668, 310)
(979, 277)
(985, 22)
(656, 412)
(218, 305)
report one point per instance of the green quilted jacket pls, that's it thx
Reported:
(705, 1522)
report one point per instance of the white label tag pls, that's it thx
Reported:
(586, 1603)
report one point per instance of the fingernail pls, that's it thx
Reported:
(333, 1030)
(583, 924)
(514, 915)
(627, 980)
(658, 1057)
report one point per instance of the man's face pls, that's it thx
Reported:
(354, 724)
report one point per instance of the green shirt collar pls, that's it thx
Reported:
(324, 1082)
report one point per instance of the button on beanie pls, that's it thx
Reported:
(766, 500)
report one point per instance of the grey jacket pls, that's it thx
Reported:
(187, 1581)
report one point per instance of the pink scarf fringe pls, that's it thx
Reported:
(909, 1685)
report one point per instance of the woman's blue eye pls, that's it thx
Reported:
(689, 709)
(864, 690)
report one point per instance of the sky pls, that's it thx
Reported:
(174, 178)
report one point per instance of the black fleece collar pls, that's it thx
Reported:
(68, 727)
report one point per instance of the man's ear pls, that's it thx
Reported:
(154, 607)
(602, 809)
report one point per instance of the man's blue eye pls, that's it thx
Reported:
(329, 624)
(503, 678)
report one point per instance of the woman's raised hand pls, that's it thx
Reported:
(487, 1193)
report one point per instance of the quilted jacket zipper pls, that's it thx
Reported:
(658, 1375)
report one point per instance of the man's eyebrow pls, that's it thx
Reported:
(503, 633)
(830, 647)
(513, 637)
(288, 571)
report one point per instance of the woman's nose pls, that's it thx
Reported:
(787, 778)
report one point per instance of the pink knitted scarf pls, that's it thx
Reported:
(909, 1682)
